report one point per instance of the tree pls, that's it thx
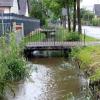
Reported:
(74, 16)
(56, 6)
(38, 10)
(86, 15)
(79, 17)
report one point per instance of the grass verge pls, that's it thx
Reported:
(89, 38)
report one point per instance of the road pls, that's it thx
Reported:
(91, 31)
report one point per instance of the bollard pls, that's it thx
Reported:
(84, 37)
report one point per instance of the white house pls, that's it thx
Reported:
(19, 7)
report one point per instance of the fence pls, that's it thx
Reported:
(18, 29)
(5, 28)
(30, 24)
(51, 39)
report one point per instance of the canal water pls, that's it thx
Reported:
(51, 79)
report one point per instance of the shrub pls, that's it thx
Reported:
(96, 22)
(72, 36)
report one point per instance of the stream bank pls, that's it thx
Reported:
(87, 58)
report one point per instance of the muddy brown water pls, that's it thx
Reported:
(52, 81)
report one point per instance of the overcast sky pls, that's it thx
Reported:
(89, 3)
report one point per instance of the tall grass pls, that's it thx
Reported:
(64, 35)
(12, 64)
(90, 60)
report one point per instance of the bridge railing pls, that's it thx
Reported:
(52, 37)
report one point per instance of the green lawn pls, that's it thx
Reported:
(34, 38)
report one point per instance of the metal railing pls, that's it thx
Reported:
(5, 28)
(49, 38)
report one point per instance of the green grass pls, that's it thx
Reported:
(12, 63)
(35, 37)
(90, 60)
(61, 34)
(64, 35)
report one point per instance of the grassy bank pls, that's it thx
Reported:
(89, 58)
(34, 37)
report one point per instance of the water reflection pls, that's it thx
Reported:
(52, 81)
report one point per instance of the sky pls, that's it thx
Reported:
(88, 4)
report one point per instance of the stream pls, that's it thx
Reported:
(51, 79)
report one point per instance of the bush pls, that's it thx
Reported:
(72, 36)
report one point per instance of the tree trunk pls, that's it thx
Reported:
(64, 22)
(69, 21)
(79, 17)
(61, 20)
(74, 17)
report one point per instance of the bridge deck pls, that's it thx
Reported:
(54, 44)
(58, 45)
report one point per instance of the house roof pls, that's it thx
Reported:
(97, 9)
(6, 3)
(22, 5)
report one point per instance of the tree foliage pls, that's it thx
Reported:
(56, 7)
(86, 15)
(38, 10)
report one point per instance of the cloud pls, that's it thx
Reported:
(88, 4)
